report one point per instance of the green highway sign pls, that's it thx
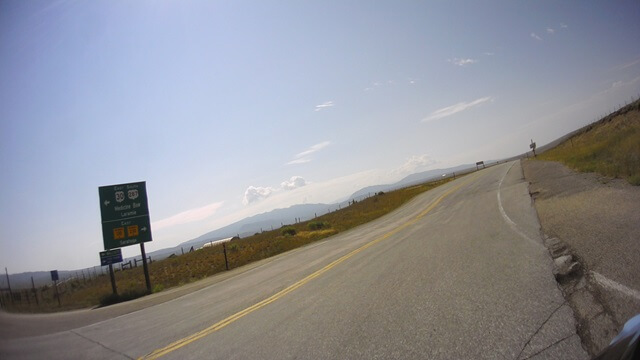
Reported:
(125, 215)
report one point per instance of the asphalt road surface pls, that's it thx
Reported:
(459, 272)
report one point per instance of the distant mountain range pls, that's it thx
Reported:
(413, 179)
(264, 221)
(279, 217)
(246, 227)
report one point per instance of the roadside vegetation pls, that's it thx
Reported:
(196, 265)
(610, 146)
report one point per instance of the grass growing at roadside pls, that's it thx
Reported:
(610, 147)
(193, 266)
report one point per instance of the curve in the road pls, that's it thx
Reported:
(506, 217)
(221, 324)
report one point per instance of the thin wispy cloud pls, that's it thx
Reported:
(533, 35)
(563, 26)
(303, 157)
(627, 65)
(188, 216)
(619, 84)
(298, 161)
(551, 31)
(415, 163)
(488, 53)
(373, 86)
(324, 105)
(313, 149)
(454, 109)
(462, 62)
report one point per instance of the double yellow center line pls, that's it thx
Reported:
(220, 324)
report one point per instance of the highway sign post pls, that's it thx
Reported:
(532, 146)
(111, 257)
(55, 277)
(125, 218)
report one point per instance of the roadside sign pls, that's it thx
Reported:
(110, 257)
(54, 275)
(125, 215)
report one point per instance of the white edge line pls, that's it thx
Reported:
(606, 282)
(506, 217)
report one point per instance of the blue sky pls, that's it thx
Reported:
(229, 109)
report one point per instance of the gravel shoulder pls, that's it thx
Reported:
(597, 221)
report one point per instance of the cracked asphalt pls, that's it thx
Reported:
(459, 272)
(598, 219)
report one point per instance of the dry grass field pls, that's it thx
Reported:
(610, 147)
(196, 265)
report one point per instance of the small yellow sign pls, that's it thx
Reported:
(118, 233)
(132, 230)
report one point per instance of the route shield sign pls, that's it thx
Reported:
(125, 215)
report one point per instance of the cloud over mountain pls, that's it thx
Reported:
(253, 194)
(293, 183)
(256, 193)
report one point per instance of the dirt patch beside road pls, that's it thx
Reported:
(598, 219)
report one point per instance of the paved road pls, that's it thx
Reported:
(459, 272)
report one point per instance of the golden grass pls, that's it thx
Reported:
(610, 147)
(202, 263)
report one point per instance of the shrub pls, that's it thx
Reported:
(232, 247)
(288, 231)
(111, 299)
(318, 225)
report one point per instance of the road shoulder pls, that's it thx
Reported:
(591, 226)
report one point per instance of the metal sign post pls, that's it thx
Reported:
(147, 280)
(532, 146)
(111, 257)
(55, 278)
(125, 218)
(113, 280)
(9, 284)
